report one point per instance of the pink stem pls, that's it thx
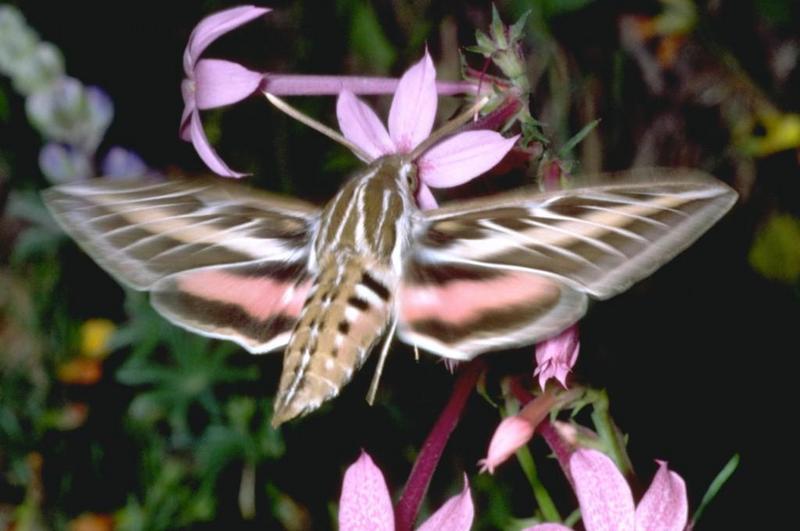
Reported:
(410, 500)
(307, 85)
(560, 449)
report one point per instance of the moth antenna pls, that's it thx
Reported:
(448, 128)
(373, 387)
(317, 126)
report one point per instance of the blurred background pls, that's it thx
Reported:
(110, 418)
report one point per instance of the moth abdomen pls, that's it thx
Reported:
(344, 315)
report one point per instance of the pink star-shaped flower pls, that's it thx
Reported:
(607, 503)
(451, 162)
(213, 83)
(365, 504)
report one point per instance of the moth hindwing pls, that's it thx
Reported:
(267, 272)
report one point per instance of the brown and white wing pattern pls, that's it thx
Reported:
(523, 264)
(220, 259)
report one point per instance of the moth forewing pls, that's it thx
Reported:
(220, 259)
(531, 258)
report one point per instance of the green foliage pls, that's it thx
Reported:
(368, 39)
(716, 486)
(776, 250)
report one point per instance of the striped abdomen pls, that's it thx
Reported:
(347, 310)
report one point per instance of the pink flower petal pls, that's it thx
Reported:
(664, 506)
(604, 496)
(425, 198)
(556, 356)
(189, 108)
(455, 515)
(361, 126)
(548, 527)
(414, 106)
(219, 83)
(511, 434)
(204, 149)
(463, 157)
(365, 504)
(212, 27)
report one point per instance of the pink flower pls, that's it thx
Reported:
(213, 83)
(607, 503)
(453, 161)
(365, 504)
(515, 431)
(556, 356)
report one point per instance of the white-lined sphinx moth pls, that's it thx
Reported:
(268, 272)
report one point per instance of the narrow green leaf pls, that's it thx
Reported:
(575, 140)
(368, 39)
(715, 486)
(498, 29)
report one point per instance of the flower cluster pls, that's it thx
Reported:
(73, 118)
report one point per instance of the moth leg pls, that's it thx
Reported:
(373, 386)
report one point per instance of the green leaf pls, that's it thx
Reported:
(775, 253)
(517, 29)
(551, 8)
(716, 485)
(368, 39)
(776, 11)
(498, 29)
(484, 44)
(4, 112)
(577, 138)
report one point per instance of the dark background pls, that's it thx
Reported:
(698, 359)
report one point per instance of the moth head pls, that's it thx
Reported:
(409, 174)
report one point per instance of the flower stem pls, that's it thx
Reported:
(305, 85)
(610, 435)
(543, 499)
(408, 506)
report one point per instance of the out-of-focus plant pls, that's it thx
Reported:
(71, 117)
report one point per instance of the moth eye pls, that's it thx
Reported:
(412, 181)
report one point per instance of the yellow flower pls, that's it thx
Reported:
(95, 337)
(780, 132)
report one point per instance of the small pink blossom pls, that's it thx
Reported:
(515, 431)
(453, 161)
(607, 503)
(365, 504)
(556, 356)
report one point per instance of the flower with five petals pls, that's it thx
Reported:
(453, 161)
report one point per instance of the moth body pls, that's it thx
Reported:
(357, 257)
